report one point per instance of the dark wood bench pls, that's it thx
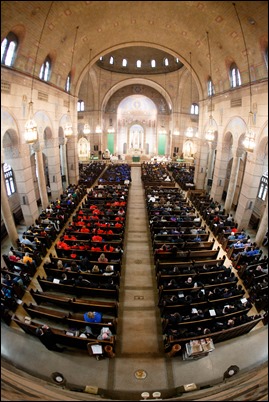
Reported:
(112, 294)
(164, 265)
(202, 245)
(71, 319)
(219, 336)
(62, 338)
(101, 265)
(93, 255)
(187, 255)
(201, 276)
(173, 308)
(57, 273)
(75, 304)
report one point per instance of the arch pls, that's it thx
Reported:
(84, 149)
(145, 44)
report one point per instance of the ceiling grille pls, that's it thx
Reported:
(42, 96)
(5, 87)
(236, 102)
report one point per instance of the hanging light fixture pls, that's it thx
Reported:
(68, 128)
(190, 132)
(30, 133)
(110, 129)
(210, 132)
(249, 140)
(162, 129)
(98, 128)
(87, 129)
(176, 129)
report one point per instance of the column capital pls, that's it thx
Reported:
(36, 146)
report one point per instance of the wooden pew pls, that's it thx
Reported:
(57, 273)
(79, 290)
(202, 245)
(188, 255)
(101, 265)
(219, 336)
(164, 265)
(62, 338)
(75, 304)
(201, 276)
(71, 319)
(172, 308)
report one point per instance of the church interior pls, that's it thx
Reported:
(134, 149)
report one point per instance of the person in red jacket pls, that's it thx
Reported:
(84, 229)
(118, 225)
(109, 248)
(97, 238)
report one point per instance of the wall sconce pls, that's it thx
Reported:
(176, 131)
(87, 129)
(30, 133)
(162, 130)
(68, 128)
(210, 132)
(249, 140)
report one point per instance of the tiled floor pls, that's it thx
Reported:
(139, 337)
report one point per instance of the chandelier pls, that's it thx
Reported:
(68, 127)
(110, 129)
(249, 140)
(86, 128)
(30, 133)
(98, 129)
(189, 133)
(210, 132)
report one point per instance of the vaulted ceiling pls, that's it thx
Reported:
(176, 27)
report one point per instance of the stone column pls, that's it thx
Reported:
(7, 214)
(222, 157)
(210, 162)
(65, 167)
(41, 176)
(263, 226)
(72, 160)
(248, 194)
(232, 182)
(200, 168)
(53, 155)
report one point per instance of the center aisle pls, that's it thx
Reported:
(139, 317)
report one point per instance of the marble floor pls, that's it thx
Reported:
(140, 364)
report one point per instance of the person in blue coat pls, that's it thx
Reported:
(92, 316)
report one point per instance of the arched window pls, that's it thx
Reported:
(166, 62)
(9, 179)
(210, 87)
(45, 70)
(68, 83)
(111, 60)
(80, 106)
(9, 47)
(263, 188)
(153, 63)
(266, 57)
(235, 76)
(124, 63)
(194, 109)
(138, 63)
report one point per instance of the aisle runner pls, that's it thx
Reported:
(141, 331)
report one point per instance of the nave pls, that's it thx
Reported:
(139, 344)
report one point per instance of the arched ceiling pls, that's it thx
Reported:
(177, 27)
